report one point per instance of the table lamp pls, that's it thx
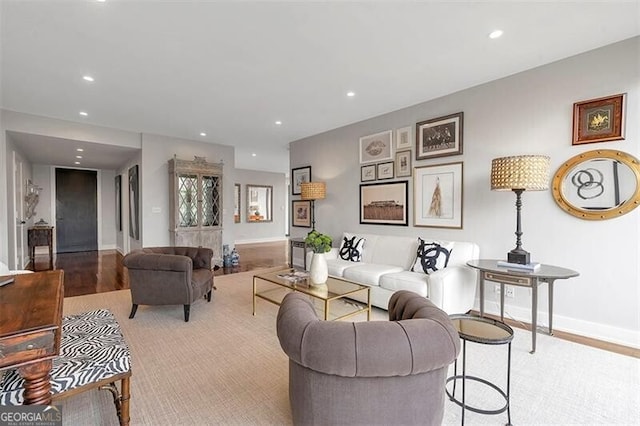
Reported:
(518, 174)
(313, 191)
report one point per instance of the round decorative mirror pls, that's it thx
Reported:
(598, 185)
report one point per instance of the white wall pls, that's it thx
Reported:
(16, 231)
(246, 232)
(126, 243)
(107, 210)
(527, 113)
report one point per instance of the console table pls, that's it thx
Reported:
(30, 330)
(40, 236)
(299, 243)
(490, 271)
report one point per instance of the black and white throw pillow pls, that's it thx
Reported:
(431, 256)
(351, 249)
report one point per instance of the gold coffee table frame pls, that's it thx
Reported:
(334, 289)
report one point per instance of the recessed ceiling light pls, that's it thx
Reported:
(278, 123)
(88, 78)
(79, 149)
(253, 154)
(203, 134)
(351, 94)
(78, 156)
(84, 114)
(101, 1)
(495, 34)
(76, 162)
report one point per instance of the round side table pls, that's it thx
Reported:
(485, 331)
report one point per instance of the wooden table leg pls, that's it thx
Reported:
(37, 387)
(124, 398)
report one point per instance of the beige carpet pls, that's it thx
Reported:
(225, 367)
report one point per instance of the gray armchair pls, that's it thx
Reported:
(378, 372)
(169, 276)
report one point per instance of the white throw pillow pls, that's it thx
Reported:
(431, 256)
(351, 249)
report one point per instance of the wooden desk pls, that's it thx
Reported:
(40, 236)
(30, 329)
(490, 271)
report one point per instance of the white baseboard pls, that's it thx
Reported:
(594, 330)
(261, 240)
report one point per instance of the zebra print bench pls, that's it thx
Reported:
(93, 354)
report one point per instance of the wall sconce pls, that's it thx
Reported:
(519, 174)
(313, 191)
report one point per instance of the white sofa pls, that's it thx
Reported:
(386, 266)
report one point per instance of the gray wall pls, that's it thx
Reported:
(156, 152)
(527, 113)
(246, 232)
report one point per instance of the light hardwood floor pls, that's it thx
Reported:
(102, 271)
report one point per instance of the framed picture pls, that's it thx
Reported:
(385, 170)
(236, 203)
(438, 196)
(299, 176)
(384, 203)
(118, 184)
(439, 137)
(598, 120)
(134, 204)
(301, 213)
(403, 163)
(403, 138)
(368, 173)
(378, 147)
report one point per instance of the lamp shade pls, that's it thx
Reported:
(313, 191)
(525, 172)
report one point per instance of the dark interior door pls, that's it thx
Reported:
(76, 210)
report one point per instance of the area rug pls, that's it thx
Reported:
(225, 367)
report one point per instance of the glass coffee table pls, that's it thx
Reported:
(278, 283)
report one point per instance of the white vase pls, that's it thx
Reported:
(318, 271)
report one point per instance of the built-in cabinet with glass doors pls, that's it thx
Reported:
(196, 204)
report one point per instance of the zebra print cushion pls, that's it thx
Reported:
(92, 348)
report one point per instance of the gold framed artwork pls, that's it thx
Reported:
(236, 203)
(598, 120)
(437, 197)
(439, 137)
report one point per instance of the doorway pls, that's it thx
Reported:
(76, 210)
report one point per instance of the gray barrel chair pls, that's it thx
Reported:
(169, 276)
(378, 372)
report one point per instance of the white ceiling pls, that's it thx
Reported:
(232, 68)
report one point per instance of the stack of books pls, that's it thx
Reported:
(529, 267)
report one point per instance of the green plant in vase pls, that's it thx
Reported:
(319, 243)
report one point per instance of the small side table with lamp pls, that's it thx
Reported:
(519, 174)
